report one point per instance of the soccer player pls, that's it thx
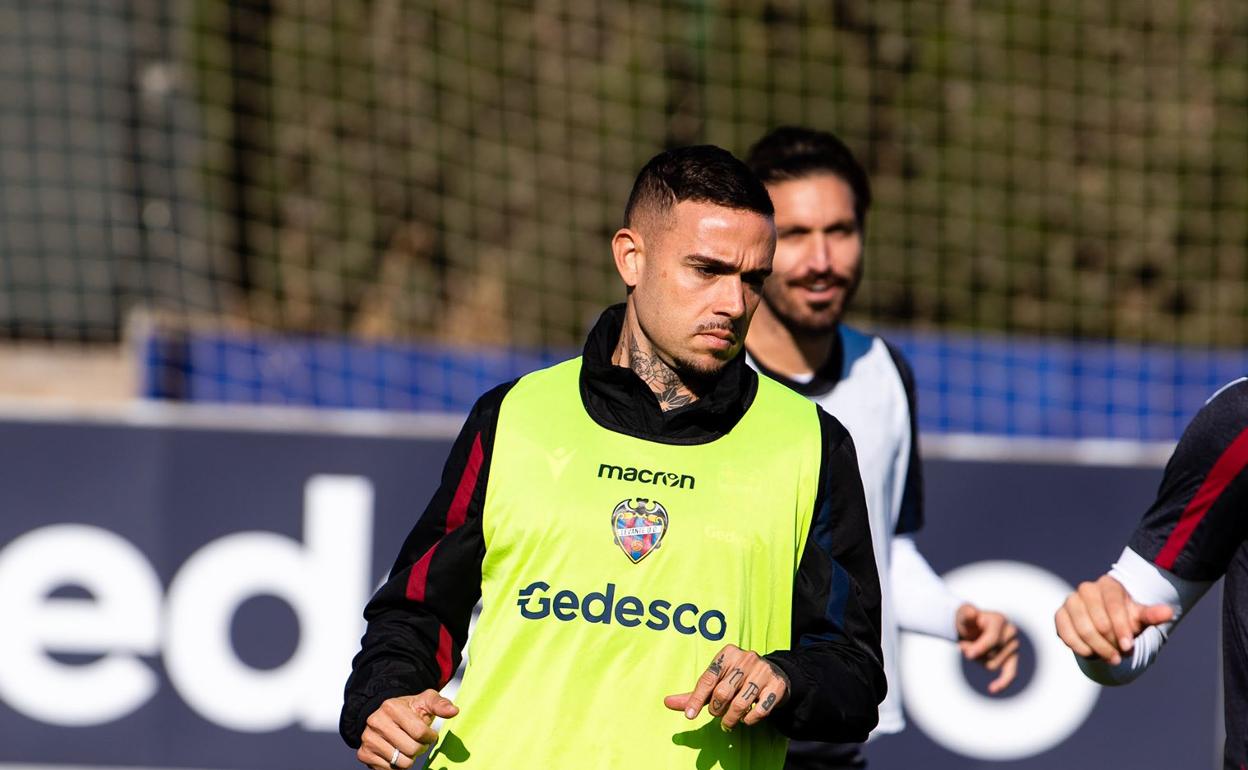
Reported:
(652, 528)
(1193, 534)
(821, 196)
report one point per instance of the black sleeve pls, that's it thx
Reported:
(910, 517)
(834, 667)
(418, 620)
(1200, 516)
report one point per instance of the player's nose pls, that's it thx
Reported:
(819, 256)
(730, 297)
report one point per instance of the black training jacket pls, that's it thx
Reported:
(414, 638)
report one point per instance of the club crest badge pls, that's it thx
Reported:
(639, 525)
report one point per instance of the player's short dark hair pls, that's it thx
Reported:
(791, 152)
(703, 173)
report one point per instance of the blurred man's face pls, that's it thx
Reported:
(698, 281)
(818, 260)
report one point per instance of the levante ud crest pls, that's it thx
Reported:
(639, 526)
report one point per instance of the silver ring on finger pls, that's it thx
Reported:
(394, 759)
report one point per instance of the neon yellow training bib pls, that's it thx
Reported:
(615, 569)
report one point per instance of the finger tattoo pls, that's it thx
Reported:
(779, 672)
(735, 677)
(751, 690)
(717, 665)
(716, 704)
(768, 702)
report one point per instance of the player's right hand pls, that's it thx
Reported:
(402, 724)
(1101, 620)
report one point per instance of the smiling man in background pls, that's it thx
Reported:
(821, 196)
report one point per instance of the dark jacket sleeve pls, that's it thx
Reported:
(418, 620)
(1197, 523)
(834, 666)
(910, 513)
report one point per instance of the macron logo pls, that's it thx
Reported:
(646, 476)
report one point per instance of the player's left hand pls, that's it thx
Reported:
(991, 639)
(740, 685)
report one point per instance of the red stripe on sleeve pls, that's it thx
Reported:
(455, 517)
(1224, 471)
(419, 575)
(444, 656)
(467, 483)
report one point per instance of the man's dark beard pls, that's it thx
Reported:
(801, 325)
(808, 328)
(699, 379)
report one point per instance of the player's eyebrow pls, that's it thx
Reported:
(791, 230)
(705, 260)
(847, 225)
(725, 267)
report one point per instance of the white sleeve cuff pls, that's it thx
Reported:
(1146, 583)
(922, 601)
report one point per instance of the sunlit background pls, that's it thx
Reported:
(361, 214)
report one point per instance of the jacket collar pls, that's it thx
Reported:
(617, 399)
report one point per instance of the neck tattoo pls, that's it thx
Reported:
(666, 384)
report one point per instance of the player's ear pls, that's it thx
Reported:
(628, 248)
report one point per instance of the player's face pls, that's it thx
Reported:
(699, 282)
(818, 260)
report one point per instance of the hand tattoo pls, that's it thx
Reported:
(779, 674)
(751, 690)
(716, 705)
(717, 665)
(735, 677)
(784, 678)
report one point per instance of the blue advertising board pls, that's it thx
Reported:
(175, 594)
(967, 383)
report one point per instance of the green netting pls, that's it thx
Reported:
(454, 169)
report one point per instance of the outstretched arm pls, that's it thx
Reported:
(925, 605)
(1183, 544)
(1117, 625)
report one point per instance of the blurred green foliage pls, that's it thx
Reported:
(454, 168)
